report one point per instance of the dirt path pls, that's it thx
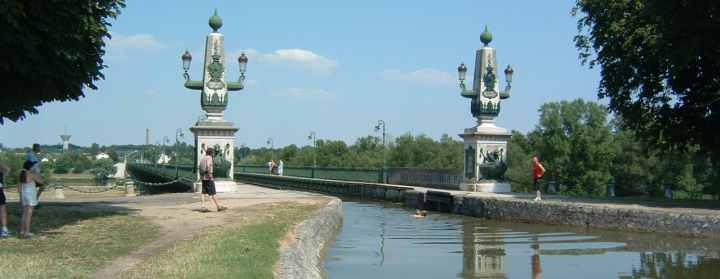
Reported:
(179, 218)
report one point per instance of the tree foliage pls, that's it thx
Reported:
(51, 51)
(660, 66)
(367, 152)
(583, 152)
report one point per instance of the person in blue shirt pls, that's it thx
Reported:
(32, 156)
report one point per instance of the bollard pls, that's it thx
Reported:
(668, 191)
(59, 194)
(611, 190)
(551, 187)
(130, 189)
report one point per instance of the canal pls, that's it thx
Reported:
(381, 240)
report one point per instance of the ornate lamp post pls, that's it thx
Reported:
(312, 137)
(381, 124)
(213, 130)
(485, 144)
(271, 144)
(178, 134)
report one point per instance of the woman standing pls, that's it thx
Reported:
(4, 170)
(28, 196)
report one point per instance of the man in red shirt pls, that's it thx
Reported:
(538, 171)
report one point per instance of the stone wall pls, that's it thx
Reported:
(608, 216)
(303, 258)
(517, 209)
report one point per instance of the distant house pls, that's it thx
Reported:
(164, 159)
(102, 155)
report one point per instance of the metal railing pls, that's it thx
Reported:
(432, 178)
(168, 173)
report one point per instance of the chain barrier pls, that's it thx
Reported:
(139, 182)
(60, 185)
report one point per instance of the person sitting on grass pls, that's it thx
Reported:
(208, 181)
(28, 196)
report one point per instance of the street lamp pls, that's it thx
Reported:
(381, 124)
(242, 61)
(186, 59)
(270, 143)
(314, 140)
(178, 134)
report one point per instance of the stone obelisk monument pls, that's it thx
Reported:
(213, 130)
(485, 144)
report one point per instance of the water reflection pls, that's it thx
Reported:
(535, 267)
(483, 254)
(381, 241)
(677, 265)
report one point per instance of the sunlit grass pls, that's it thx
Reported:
(247, 249)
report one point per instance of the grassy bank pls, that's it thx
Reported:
(248, 248)
(71, 240)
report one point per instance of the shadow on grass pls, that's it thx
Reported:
(50, 216)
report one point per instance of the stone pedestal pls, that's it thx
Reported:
(59, 194)
(220, 135)
(485, 158)
(130, 189)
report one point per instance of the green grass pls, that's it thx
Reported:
(248, 249)
(71, 241)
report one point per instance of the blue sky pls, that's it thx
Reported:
(333, 67)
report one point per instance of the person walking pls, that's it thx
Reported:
(28, 195)
(4, 171)
(281, 165)
(270, 166)
(274, 168)
(538, 172)
(208, 181)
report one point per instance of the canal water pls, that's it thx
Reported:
(385, 241)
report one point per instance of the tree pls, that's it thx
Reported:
(519, 162)
(573, 140)
(660, 66)
(51, 51)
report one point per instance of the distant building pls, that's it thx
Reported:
(102, 155)
(164, 159)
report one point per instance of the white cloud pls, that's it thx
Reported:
(137, 41)
(293, 57)
(423, 76)
(303, 93)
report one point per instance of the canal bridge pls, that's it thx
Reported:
(440, 192)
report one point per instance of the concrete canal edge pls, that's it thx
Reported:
(303, 257)
(576, 213)
(614, 216)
